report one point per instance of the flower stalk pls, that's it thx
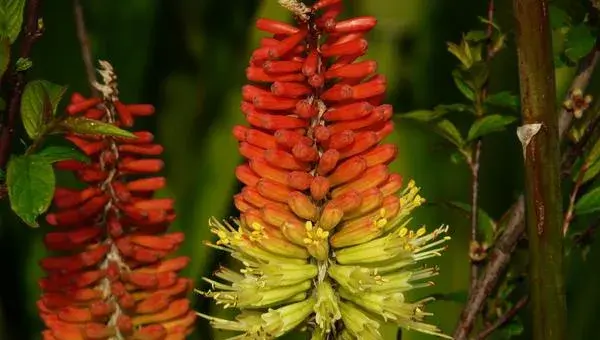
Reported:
(323, 232)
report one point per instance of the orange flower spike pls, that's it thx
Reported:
(316, 177)
(112, 263)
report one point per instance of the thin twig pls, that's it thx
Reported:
(32, 32)
(506, 317)
(498, 260)
(475, 161)
(572, 197)
(86, 51)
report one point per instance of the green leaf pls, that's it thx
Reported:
(33, 103)
(40, 99)
(579, 41)
(485, 222)
(60, 153)
(30, 181)
(489, 124)
(462, 52)
(4, 55)
(591, 172)
(558, 17)
(424, 115)
(477, 75)
(503, 99)
(23, 64)
(86, 126)
(55, 93)
(455, 108)
(476, 36)
(588, 203)
(448, 130)
(462, 86)
(11, 18)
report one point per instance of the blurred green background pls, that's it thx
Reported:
(187, 57)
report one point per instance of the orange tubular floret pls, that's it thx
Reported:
(112, 224)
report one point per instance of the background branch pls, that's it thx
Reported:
(506, 317)
(84, 43)
(31, 34)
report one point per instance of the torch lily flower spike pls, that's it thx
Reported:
(323, 235)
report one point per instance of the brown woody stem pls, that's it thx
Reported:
(542, 169)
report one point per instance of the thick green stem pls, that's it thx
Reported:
(542, 169)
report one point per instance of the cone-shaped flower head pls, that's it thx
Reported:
(112, 277)
(322, 234)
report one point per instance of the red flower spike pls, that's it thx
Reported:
(315, 178)
(112, 271)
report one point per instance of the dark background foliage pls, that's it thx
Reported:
(187, 57)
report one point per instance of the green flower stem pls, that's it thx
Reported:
(542, 169)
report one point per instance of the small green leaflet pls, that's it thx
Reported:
(30, 181)
(579, 42)
(60, 153)
(558, 17)
(503, 99)
(475, 36)
(23, 64)
(462, 85)
(424, 115)
(448, 130)
(588, 203)
(489, 124)
(11, 18)
(40, 99)
(87, 126)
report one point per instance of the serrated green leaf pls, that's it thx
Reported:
(40, 99)
(477, 75)
(23, 64)
(11, 18)
(489, 124)
(462, 86)
(503, 99)
(486, 224)
(424, 115)
(448, 130)
(4, 55)
(33, 103)
(55, 93)
(476, 36)
(30, 181)
(60, 153)
(588, 203)
(591, 172)
(86, 126)
(462, 52)
(558, 17)
(579, 41)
